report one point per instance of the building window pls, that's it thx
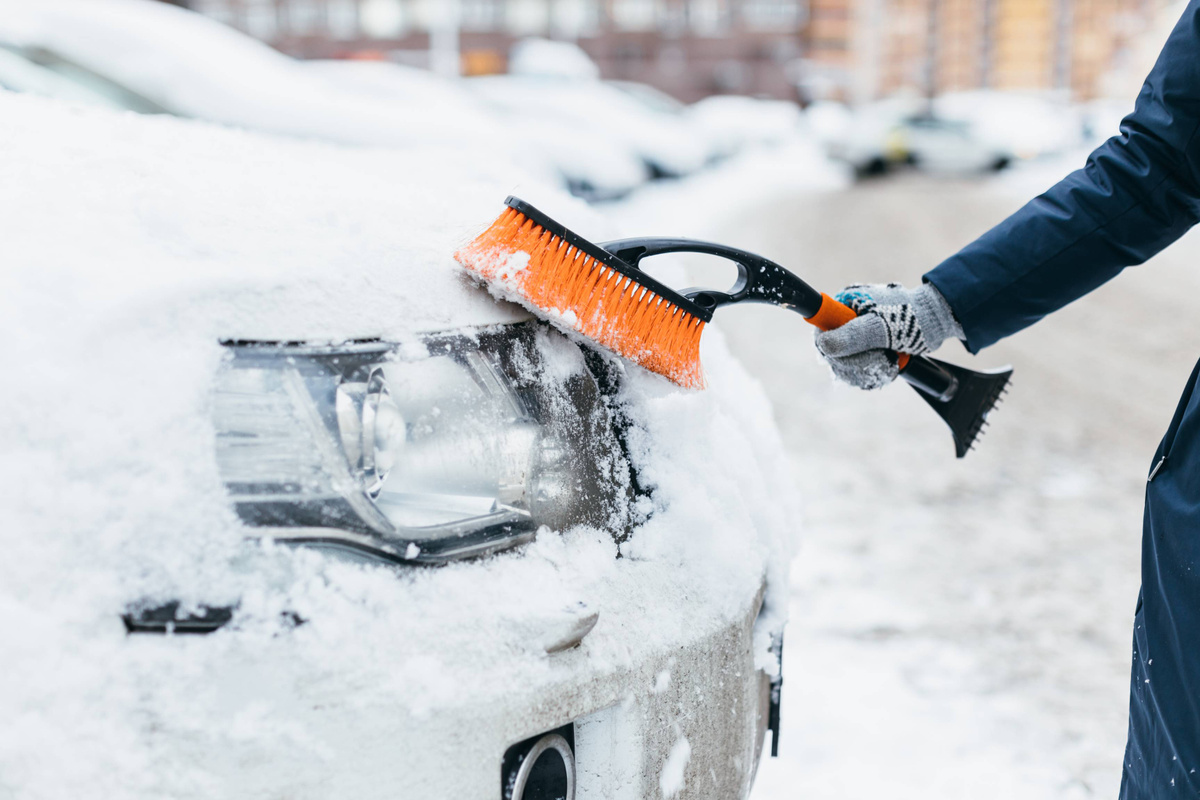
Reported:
(304, 16)
(341, 16)
(708, 17)
(482, 15)
(829, 45)
(574, 18)
(830, 12)
(772, 14)
(261, 19)
(527, 17)
(382, 19)
(635, 15)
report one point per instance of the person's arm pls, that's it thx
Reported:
(1138, 193)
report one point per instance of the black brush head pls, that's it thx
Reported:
(967, 411)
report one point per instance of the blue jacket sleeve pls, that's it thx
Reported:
(1138, 193)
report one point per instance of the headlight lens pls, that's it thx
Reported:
(464, 449)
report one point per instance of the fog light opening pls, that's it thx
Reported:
(547, 771)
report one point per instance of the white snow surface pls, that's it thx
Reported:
(196, 67)
(132, 245)
(545, 58)
(672, 779)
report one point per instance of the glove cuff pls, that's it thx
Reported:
(935, 316)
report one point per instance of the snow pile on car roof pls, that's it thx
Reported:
(132, 247)
(193, 66)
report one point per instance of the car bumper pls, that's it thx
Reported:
(687, 714)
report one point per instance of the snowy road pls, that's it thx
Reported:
(959, 628)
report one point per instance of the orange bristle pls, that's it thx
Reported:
(576, 290)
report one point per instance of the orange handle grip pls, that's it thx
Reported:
(833, 314)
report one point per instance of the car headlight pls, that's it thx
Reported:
(464, 448)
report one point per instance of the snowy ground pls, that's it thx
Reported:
(959, 628)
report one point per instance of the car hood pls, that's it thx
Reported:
(132, 247)
(250, 237)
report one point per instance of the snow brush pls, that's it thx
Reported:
(600, 292)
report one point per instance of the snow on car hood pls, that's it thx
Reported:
(288, 240)
(131, 247)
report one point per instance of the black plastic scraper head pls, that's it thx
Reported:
(974, 395)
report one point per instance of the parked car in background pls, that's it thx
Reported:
(593, 167)
(739, 122)
(1027, 125)
(185, 64)
(878, 137)
(868, 138)
(327, 519)
(727, 123)
(665, 142)
(935, 144)
(39, 72)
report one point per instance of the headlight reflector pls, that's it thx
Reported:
(459, 451)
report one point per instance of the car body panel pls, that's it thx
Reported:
(138, 244)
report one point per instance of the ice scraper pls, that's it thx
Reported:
(600, 292)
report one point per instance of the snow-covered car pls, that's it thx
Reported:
(738, 122)
(294, 509)
(40, 73)
(940, 145)
(183, 63)
(1025, 125)
(877, 137)
(868, 138)
(667, 144)
(706, 122)
(593, 167)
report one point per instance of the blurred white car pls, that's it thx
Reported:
(877, 137)
(739, 122)
(1026, 125)
(718, 143)
(667, 144)
(940, 145)
(40, 73)
(645, 119)
(188, 65)
(294, 509)
(593, 167)
(727, 123)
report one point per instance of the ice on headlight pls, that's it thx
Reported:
(469, 449)
(264, 445)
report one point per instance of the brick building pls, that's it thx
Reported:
(933, 46)
(852, 49)
(689, 48)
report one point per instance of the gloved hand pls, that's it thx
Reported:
(891, 319)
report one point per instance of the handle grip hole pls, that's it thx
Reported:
(684, 270)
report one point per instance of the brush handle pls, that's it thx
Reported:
(921, 372)
(833, 314)
(761, 280)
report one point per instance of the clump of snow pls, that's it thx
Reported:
(671, 781)
(514, 265)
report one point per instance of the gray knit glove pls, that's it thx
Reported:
(891, 319)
